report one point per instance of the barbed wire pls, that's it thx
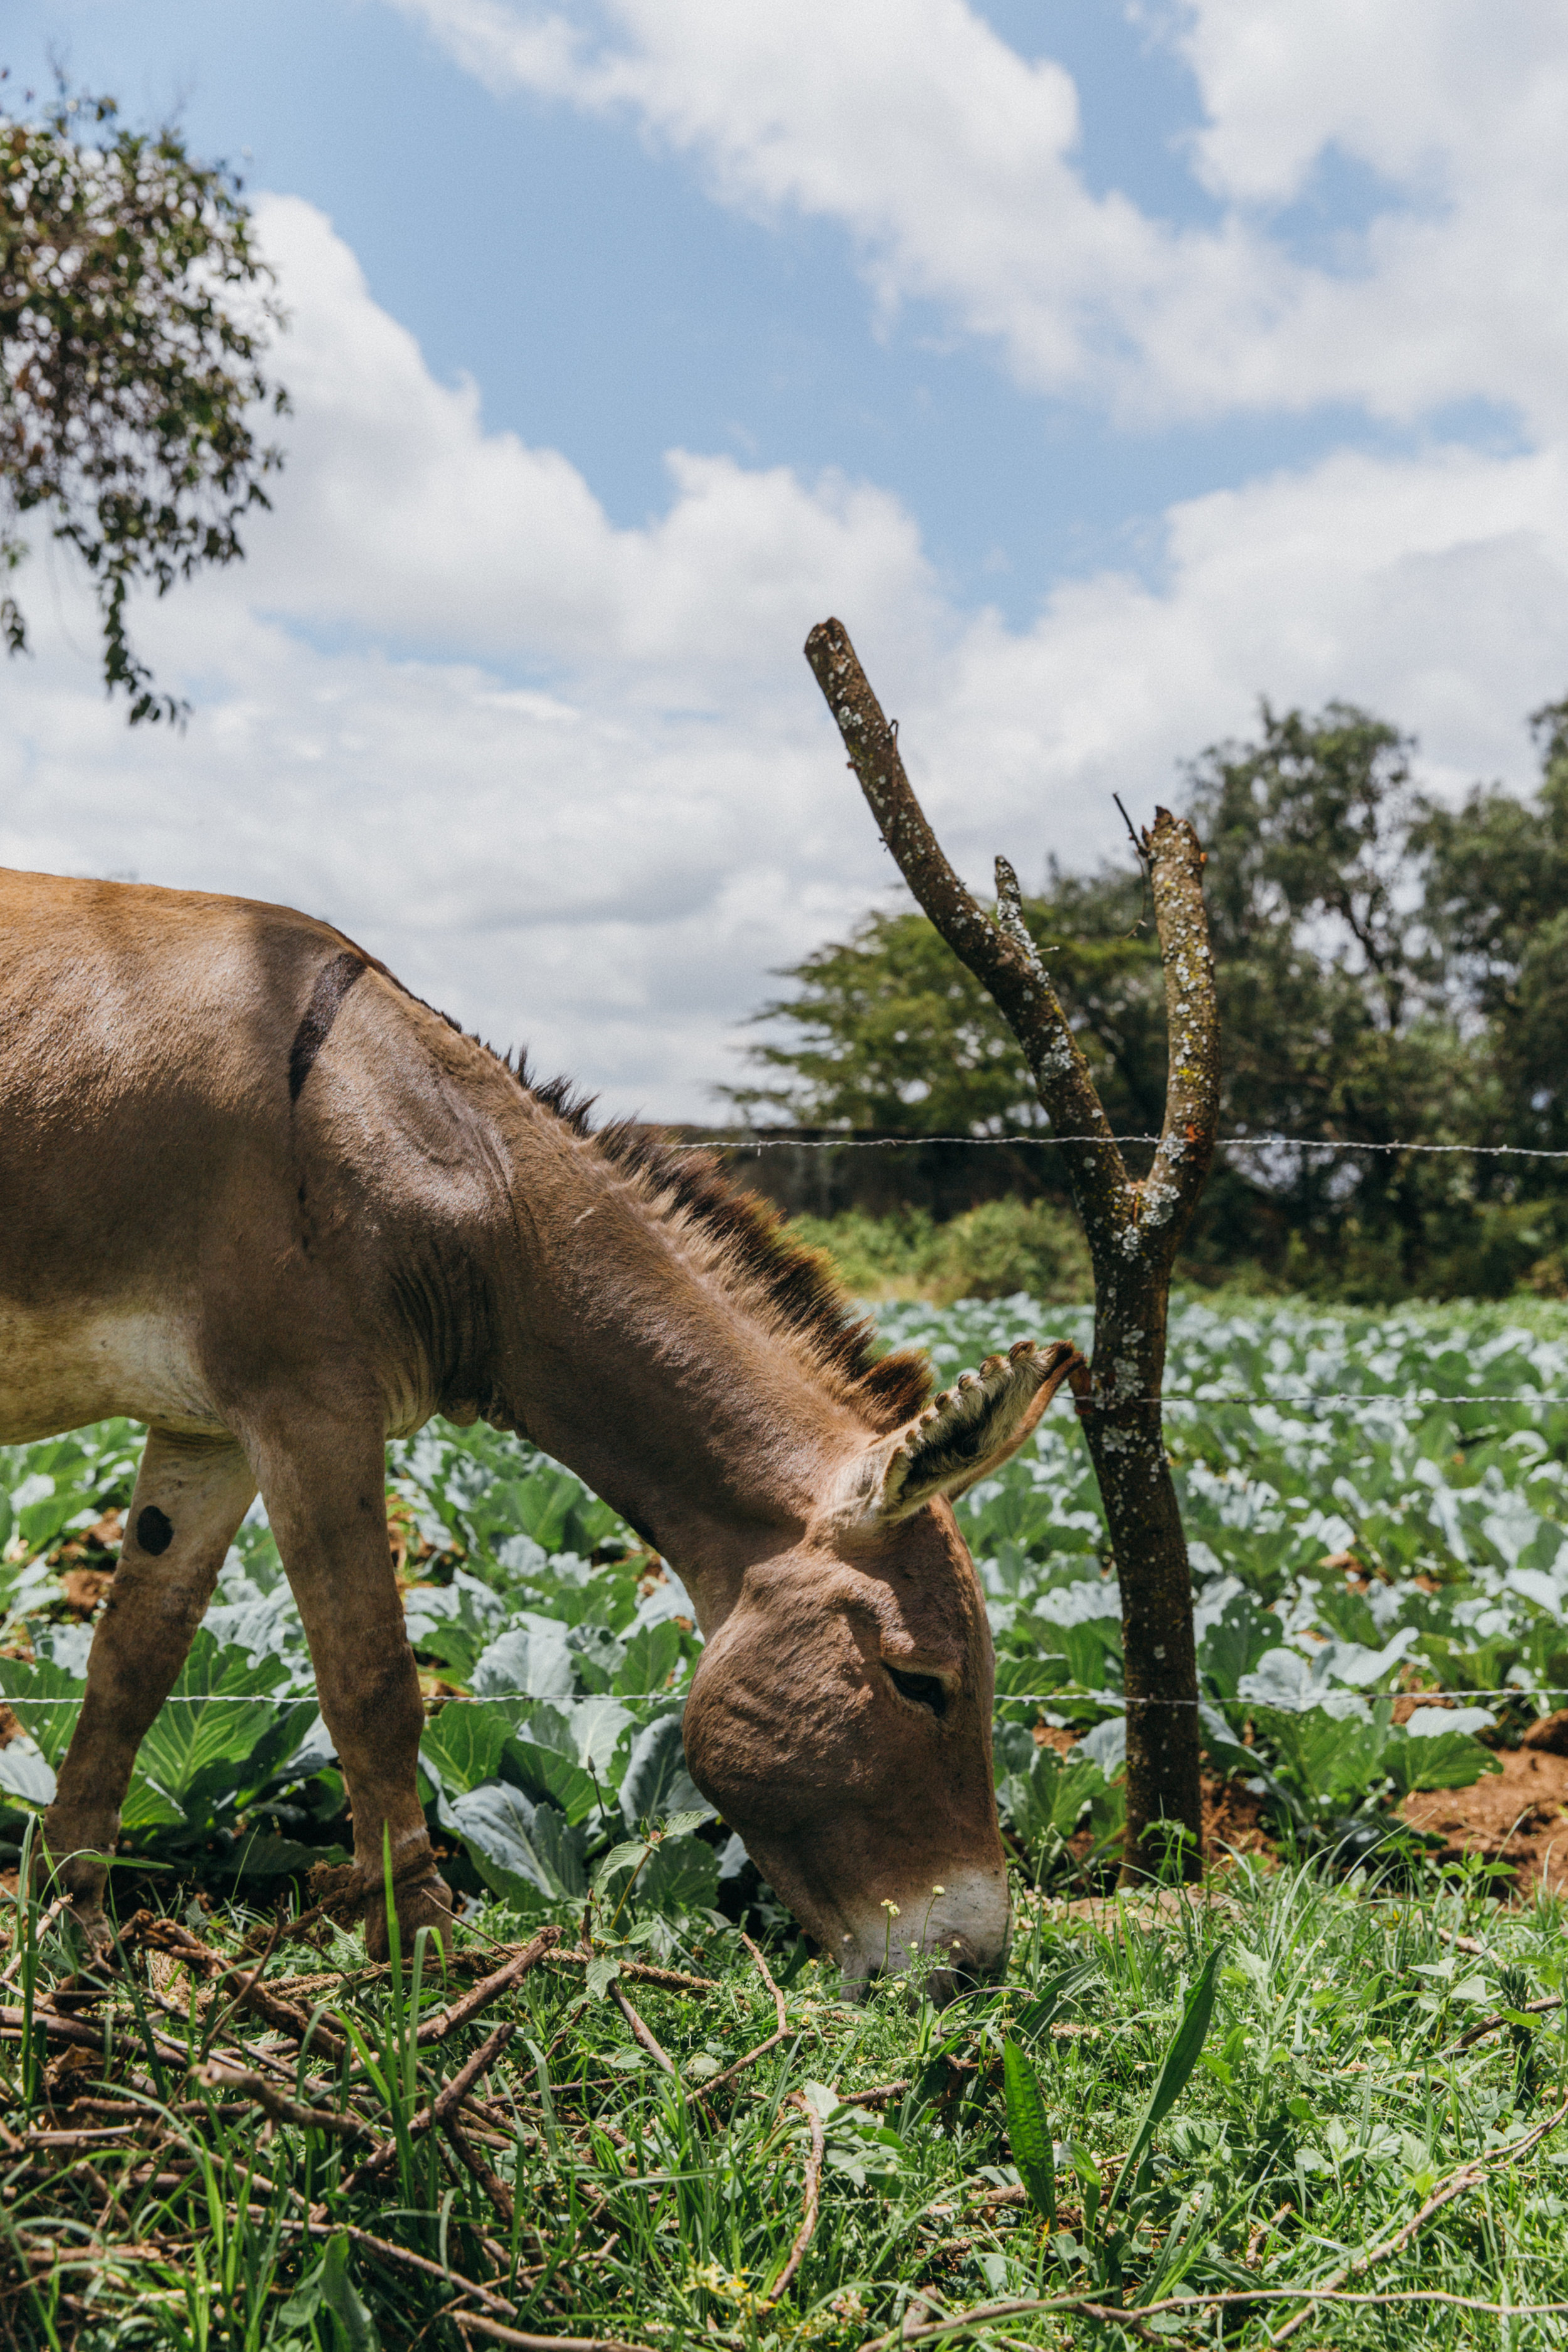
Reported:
(764, 1142)
(1113, 1700)
(1350, 1396)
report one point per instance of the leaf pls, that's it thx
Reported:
(192, 1747)
(630, 1854)
(656, 1780)
(652, 1655)
(682, 1824)
(600, 1974)
(147, 1808)
(1050, 1795)
(1179, 2061)
(544, 1504)
(302, 2306)
(597, 1724)
(597, 1650)
(532, 1660)
(1029, 2132)
(339, 2294)
(454, 1622)
(682, 1875)
(1048, 2003)
(49, 1702)
(1444, 1760)
(464, 1742)
(1232, 1645)
(27, 1774)
(544, 1774)
(520, 1849)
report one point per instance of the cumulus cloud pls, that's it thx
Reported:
(575, 783)
(952, 164)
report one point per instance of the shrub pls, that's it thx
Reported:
(990, 1252)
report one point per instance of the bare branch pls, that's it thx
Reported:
(807, 2229)
(1000, 954)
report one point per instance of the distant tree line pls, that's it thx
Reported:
(1392, 972)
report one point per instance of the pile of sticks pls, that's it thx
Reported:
(124, 2084)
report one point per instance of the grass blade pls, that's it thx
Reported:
(1029, 2132)
(1179, 2061)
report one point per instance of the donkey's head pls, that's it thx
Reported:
(840, 1717)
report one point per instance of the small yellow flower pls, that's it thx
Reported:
(939, 1890)
(889, 1907)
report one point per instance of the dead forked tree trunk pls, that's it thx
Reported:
(1132, 1227)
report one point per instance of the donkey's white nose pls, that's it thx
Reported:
(958, 1927)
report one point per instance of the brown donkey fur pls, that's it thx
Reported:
(256, 1195)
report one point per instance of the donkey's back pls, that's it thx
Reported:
(154, 1048)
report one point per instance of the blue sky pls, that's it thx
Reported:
(604, 307)
(1252, 386)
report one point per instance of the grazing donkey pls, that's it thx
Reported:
(256, 1195)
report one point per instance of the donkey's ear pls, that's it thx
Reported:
(964, 1434)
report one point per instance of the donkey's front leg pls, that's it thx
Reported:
(326, 1498)
(191, 1495)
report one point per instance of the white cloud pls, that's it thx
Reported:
(602, 797)
(418, 523)
(951, 161)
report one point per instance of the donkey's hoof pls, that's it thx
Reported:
(427, 1902)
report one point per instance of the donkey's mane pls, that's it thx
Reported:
(750, 1249)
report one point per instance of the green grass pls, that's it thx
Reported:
(1333, 2095)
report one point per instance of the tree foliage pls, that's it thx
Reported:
(134, 314)
(1391, 972)
(892, 1033)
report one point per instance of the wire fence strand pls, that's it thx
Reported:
(1401, 1400)
(1111, 1700)
(762, 1141)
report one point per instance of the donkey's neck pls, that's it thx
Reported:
(631, 1348)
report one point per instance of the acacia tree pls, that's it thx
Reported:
(1132, 1225)
(133, 316)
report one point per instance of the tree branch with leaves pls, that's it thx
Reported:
(1132, 1225)
(134, 314)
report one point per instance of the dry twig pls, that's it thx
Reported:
(642, 1973)
(880, 2095)
(1468, 2176)
(807, 2229)
(645, 2035)
(1490, 2024)
(282, 2110)
(397, 2258)
(500, 2335)
(489, 2181)
(442, 2105)
(729, 2072)
(48, 1921)
(447, 2021)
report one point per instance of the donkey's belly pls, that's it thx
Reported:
(59, 1371)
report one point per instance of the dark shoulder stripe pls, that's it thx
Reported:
(334, 982)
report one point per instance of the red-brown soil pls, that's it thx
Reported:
(1519, 1817)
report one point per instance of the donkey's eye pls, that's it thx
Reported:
(924, 1689)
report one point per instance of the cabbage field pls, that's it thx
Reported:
(1358, 1532)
